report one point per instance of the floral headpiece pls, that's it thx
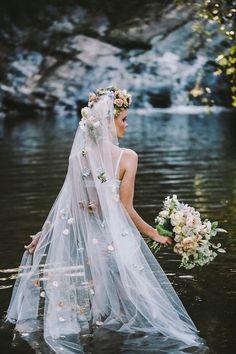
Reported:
(122, 99)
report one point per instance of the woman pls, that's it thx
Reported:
(127, 172)
(89, 264)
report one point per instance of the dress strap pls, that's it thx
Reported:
(117, 165)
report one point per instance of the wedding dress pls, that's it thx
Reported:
(91, 263)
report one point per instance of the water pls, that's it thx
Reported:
(191, 155)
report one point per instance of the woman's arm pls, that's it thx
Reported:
(127, 194)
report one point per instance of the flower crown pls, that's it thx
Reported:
(91, 125)
(122, 99)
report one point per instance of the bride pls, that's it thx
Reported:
(89, 265)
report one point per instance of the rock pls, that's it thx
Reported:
(161, 98)
(139, 32)
(53, 62)
(185, 47)
(88, 49)
(64, 26)
(19, 102)
(24, 67)
(128, 38)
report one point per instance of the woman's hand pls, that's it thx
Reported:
(32, 245)
(161, 239)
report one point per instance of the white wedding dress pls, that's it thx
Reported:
(91, 263)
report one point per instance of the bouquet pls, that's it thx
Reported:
(192, 236)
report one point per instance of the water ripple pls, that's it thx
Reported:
(178, 154)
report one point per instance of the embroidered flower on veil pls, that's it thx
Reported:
(91, 206)
(102, 176)
(89, 123)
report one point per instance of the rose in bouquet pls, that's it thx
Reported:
(192, 237)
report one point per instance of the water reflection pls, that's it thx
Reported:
(102, 341)
(192, 156)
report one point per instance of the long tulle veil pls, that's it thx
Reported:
(91, 263)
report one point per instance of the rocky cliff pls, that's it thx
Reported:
(51, 56)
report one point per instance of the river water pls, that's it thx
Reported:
(191, 155)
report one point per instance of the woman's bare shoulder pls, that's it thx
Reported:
(129, 163)
(130, 154)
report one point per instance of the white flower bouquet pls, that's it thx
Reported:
(191, 236)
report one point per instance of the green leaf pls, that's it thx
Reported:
(223, 62)
(230, 71)
(214, 224)
(163, 231)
